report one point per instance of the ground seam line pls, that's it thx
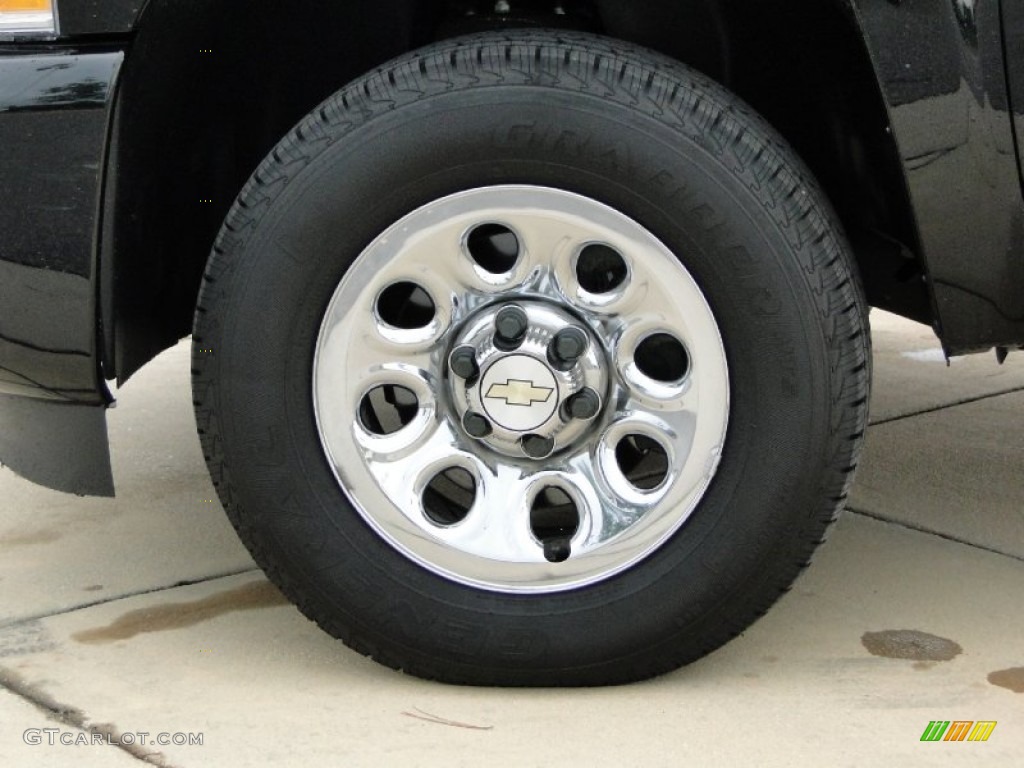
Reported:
(115, 598)
(936, 408)
(930, 532)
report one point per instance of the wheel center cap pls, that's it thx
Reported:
(519, 393)
(526, 378)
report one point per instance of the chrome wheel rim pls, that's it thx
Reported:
(480, 437)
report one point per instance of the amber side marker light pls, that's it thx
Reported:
(27, 16)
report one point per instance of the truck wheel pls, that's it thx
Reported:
(531, 359)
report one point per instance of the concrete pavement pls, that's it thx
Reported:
(144, 614)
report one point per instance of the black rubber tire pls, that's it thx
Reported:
(642, 134)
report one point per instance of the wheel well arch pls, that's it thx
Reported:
(206, 93)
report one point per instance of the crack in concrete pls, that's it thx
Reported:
(936, 408)
(73, 717)
(115, 598)
(931, 532)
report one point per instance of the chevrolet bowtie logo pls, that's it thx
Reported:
(518, 392)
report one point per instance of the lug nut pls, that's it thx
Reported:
(537, 446)
(567, 347)
(476, 425)
(462, 362)
(510, 326)
(584, 404)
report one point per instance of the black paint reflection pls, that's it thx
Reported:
(53, 124)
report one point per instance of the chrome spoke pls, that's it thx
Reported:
(498, 527)
(404, 468)
(601, 516)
